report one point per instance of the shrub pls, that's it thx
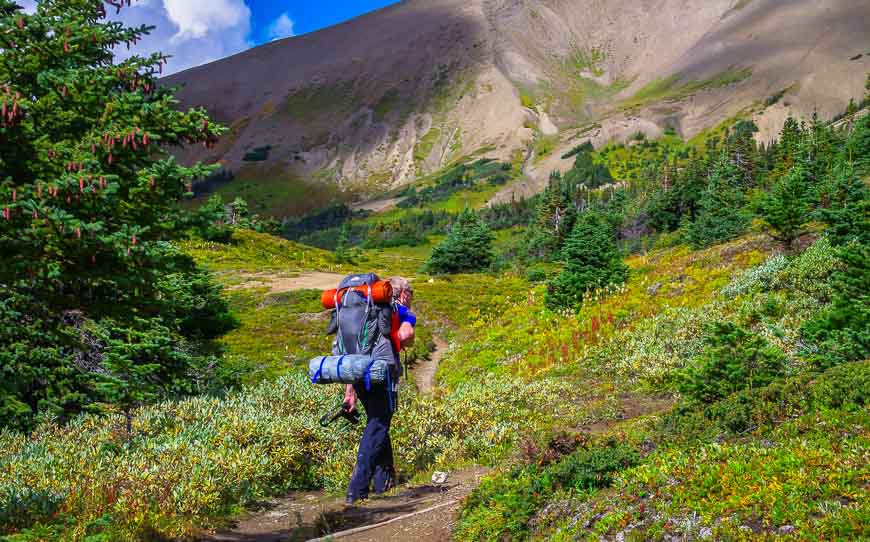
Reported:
(734, 360)
(592, 261)
(468, 247)
(187, 463)
(502, 506)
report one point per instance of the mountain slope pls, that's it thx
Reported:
(373, 103)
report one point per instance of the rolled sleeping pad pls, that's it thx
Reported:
(347, 369)
(382, 293)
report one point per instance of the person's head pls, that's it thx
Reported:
(402, 291)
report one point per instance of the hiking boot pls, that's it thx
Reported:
(350, 501)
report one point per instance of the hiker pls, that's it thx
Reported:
(374, 462)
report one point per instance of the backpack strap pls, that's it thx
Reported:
(341, 348)
(319, 371)
(338, 368)
(368, 375)
(362, 338)
(390, 390)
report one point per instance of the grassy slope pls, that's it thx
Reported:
(191, 462)
(785, 460)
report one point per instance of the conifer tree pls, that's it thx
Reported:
(788, 206)
(93, 305)
(467, 248)
(555, 218)
(721, 214)
(592, 260)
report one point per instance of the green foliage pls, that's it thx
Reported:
(191, 462)
(592, 261)
(90, 203)
(787, 207)
(675, 88)
(762, 408)
(342, 250)
(721, 215)
(842, 332)
(847, 209)
(733, 360)
(501, 507)
(210, 221)
(250, 252)
(585, 171)
(465, 176)
(468, 246)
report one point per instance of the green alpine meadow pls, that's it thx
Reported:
(615, 259)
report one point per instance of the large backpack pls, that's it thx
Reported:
(361, 325)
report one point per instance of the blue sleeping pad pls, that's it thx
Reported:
(348, 369)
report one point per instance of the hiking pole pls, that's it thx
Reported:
(343, 411)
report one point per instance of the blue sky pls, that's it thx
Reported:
(195, 32)
(307, 16)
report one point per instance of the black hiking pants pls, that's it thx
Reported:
(374, 461)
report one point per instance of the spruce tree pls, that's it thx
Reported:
(788, 206)
(847, 207)
(555, 218)
(592, 260)
(467, 248)
(94, 298)
(721, 215)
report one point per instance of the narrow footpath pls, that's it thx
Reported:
(426, 513)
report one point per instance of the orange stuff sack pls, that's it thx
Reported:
(382, 293)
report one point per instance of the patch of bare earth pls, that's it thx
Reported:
(423, 513)
(277, 284)
(424, 371)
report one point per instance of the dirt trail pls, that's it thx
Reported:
(424, 371)
(314, 280)
(424, 513)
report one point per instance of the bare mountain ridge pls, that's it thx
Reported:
(373, 103)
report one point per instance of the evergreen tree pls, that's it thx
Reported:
(740, 143)
(841, 333)
(788, 206)
(585, 171)
(92, 305)
(858, 146)
(721, 215)
(555, 218)
(467, 248)
(734, 360)
(210, 221)
(847, 208)
(592, 260)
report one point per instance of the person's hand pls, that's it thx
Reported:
(350, 398)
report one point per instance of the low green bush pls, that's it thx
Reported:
(188, 463)
(502, 506)
(735, 359)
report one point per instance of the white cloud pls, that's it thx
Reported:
(192, 32)
(282, 27)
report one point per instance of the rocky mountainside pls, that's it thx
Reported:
(370, 105)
